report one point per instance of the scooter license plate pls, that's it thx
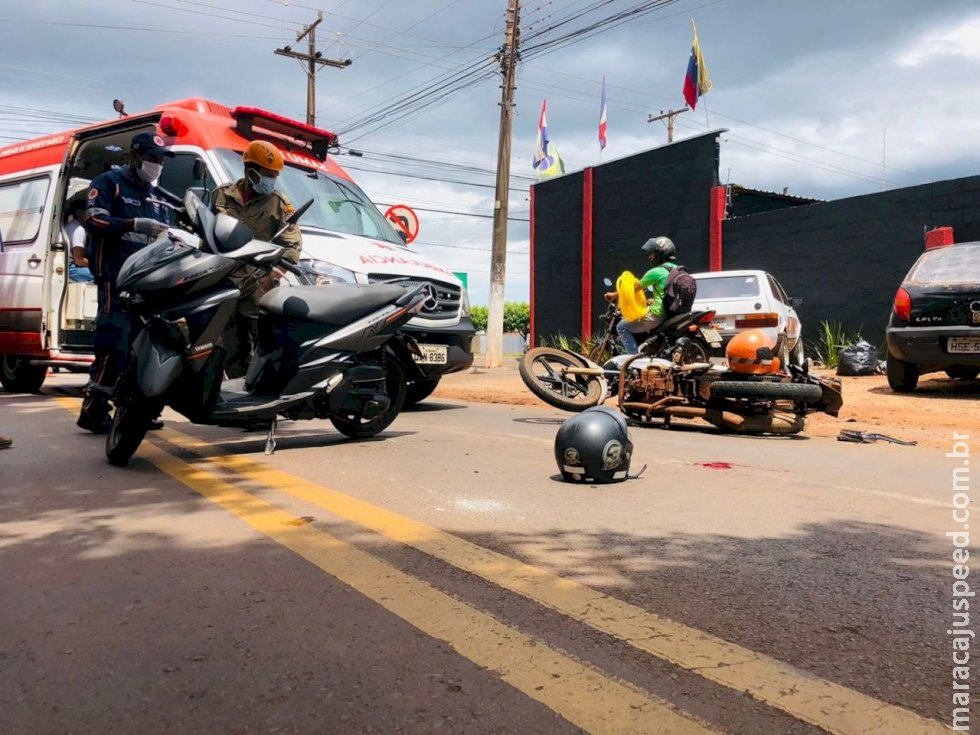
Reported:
(433, 355)
(710, 335)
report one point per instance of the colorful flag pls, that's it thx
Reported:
(541, 146)
(696, 83)
(602, 117)
(551, 165)
(546, 160)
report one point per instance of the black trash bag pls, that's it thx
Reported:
(858, 359)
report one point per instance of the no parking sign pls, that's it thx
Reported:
(405, 220)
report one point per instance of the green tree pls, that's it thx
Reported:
(479, 316)
(517, 318)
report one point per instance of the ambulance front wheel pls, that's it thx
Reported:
(17, 375)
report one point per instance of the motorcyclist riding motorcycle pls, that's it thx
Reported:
(662, 254)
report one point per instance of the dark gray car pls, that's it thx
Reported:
(935, 320)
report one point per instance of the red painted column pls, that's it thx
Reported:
(718, 195)
(587, 254)
(532, 337)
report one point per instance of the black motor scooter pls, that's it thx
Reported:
(323, 351)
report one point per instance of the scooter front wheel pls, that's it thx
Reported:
(130, 422)
(362, 428)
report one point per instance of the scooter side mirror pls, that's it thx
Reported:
(293, 218)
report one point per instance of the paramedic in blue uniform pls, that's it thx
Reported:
(121, 217)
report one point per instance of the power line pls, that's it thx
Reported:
(211, 15)
(425, 178)
(458, 214)
(465, 247)
(179, 32)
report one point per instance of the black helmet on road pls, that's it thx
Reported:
(662, 247)
(594, 447)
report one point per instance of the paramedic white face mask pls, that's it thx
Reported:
(261, 185)
(150, 172)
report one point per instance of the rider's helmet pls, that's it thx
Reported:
(594, 446)
(661, 249)
(752, 351)
(263, 154)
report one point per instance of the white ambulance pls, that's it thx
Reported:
(46, 320)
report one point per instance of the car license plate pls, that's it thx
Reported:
(960, 345)
(433, 355)
(710, 335)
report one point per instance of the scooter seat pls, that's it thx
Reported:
(335, 305)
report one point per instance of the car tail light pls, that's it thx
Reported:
(707, 318)
(750, 321)
(903, 304)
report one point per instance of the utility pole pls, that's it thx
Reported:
(670, 115)
(498, 251)
(314, 59)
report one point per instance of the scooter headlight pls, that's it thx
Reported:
(321, 273)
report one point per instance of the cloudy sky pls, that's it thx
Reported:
(815, 96)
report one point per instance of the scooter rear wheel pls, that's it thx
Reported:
(359, 428)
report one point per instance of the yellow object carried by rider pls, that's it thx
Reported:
(632, 297)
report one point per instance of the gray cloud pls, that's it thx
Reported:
(834, 74)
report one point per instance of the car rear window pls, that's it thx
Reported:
(953, 264)
(728, 287)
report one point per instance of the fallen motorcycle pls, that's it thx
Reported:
(652, 388)
(574, 382)
(665, 385)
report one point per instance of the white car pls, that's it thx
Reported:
(751, 300)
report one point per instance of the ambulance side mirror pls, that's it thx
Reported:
(200, 192)
(200, 170)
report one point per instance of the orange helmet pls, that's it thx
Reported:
(263, 154)
(751, 351)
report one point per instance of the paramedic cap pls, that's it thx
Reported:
(147, 143)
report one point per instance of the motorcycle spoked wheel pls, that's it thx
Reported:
(130, 422)
(541, 370)
(362, 428)
(694, 351)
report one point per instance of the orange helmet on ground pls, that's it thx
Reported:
(262, 153)
(751, 351)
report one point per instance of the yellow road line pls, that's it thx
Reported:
(580, 694)
(820, 702)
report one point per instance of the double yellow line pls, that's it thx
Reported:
(580, 694)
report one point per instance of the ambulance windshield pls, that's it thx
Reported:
(339, 205)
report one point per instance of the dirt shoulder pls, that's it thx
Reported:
(938, 407)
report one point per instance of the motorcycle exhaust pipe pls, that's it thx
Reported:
(689, 412)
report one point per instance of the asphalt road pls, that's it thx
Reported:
(441, 578)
